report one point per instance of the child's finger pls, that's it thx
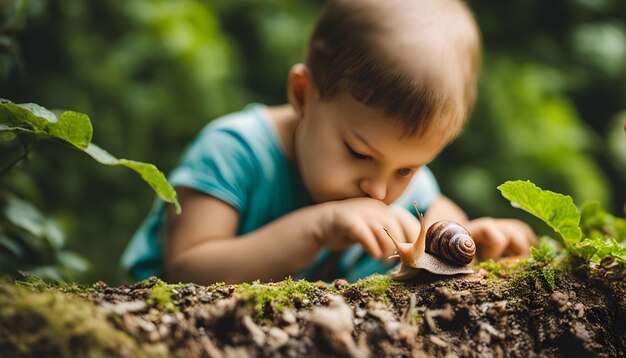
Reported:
(527, 231)
(492, 241)
(362, 234)
(518, 243)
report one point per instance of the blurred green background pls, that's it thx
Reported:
(151, 73)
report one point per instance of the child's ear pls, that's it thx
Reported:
(299, 86)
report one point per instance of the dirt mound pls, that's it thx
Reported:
(524, 314)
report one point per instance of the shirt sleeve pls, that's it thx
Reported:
(219, 163)
(423, 189)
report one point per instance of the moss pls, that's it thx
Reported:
(161, 295)
(417, 318)
(280, 295)
(376, 284)
(517, 304)
(36, 284)
(517, 266)
(542, 254)
(548, 275)
(494, 269)
(536, 277)
(215, 286)
(52, 324)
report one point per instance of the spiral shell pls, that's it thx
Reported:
(450, 241)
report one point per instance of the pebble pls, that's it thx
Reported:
(438, 341)
(288, 316)
(277, 338)
(579, 308)
(124, 307)
(340, 283)
(163, 331)
(256, 333)
(292, 330)
(581, 331)
(167, 319)
(561, 301)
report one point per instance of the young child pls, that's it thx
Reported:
(305, 189)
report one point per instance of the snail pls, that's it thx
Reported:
(445, 249)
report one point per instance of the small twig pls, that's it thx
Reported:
(24, 156)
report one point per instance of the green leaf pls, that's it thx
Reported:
(594, 219)
(556, 210)
(148, 172)
(72, 261)
(27, 217)
(599, 246)
(72, 127)
(11, 246)
(6, 133)
(75, 128)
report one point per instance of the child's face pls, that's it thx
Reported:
(344, 150)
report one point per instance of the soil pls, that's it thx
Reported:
(518, 313)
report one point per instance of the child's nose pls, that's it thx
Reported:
(376, 188)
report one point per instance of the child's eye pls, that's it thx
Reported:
(404, 172)
(357, 155)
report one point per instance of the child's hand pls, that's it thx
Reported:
(497, 237)
(362, 220)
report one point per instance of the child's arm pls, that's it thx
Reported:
(494, 237)
(202, 247)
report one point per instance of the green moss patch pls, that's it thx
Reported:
(376, 284)
(494, 269)
(263, 297)
(51, 323)
(161, 295)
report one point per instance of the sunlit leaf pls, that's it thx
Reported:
(556, 210)
(75, 128)
(72, 127)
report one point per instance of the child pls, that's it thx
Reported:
(305, 189)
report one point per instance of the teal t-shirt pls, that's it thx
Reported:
(237, 159)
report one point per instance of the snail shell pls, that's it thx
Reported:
(414, 258)
(450, 241)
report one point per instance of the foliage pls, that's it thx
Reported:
(556, 210)
(601, 234)
(29, 240)
(75, 129)
(595, 221)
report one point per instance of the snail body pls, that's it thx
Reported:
(445, 249)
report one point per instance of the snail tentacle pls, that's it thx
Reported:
(409, 253)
